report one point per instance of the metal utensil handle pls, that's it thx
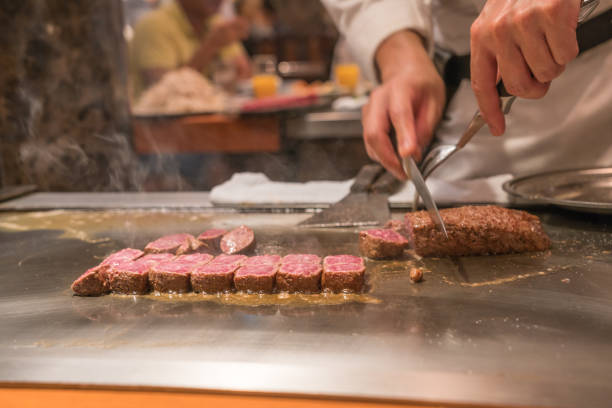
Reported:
(366, 177)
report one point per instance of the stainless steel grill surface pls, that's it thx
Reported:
(531, 329)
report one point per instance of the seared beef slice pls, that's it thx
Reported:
(382, 243)
(256, 278)
(237, 241)
(301, 259)
(477, 230)
(173, 276)
(133, 277)
(343, 273)
(211, 239)
(94, 281)
(295, 277)
(175, 244)
(213, 277)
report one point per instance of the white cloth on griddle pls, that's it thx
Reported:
(257, 189)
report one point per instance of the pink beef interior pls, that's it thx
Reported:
(300, 269)
(237, 239)
(262, 260)
(155, 258)
(211, 233)
(260, 270)
(168, 242)
(173, 267)
(194, 259)
(387, 235)
(342, 259)
(229, 259)
(119, 257)
(214, 269)
(301, 259)
(349, 267)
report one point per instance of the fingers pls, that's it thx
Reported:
(484, 79)
(516, 74)
(376, 127)
(536, 51)
(402, 117)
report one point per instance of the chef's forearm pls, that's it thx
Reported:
(398, 51)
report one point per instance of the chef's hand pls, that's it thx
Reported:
(527, 43)
(411, 98)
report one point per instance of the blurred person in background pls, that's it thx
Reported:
(186, 33)
(561, 120)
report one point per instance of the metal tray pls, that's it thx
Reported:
(586, 190)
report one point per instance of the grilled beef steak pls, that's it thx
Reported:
(477, 230)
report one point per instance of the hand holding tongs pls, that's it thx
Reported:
(441, 153)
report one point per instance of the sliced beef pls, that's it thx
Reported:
(173, 275)
(90, 283)
(94, 281)
(255, 278)
(343, 277)
(299, 277)
(194, 259)
(237, 260)
(176, 244)
(382, 243)
(262, 260)
(211, 239)
(133, 277)
(213, 278)
(239, 240)
(477, 230)
(118, 258)
(301, 259)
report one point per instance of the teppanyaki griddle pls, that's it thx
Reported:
(515, 330)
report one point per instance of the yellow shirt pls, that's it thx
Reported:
(164, 39)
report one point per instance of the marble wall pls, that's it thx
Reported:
(64, 115)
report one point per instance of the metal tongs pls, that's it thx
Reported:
(439, 154)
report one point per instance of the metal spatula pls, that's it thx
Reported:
(365, 205)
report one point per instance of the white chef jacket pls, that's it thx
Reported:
(571, 127)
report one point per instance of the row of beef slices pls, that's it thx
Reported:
(181, 263)
(472, 230)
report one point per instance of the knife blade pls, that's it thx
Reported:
(412, 171)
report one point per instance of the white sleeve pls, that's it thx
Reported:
(366, 23)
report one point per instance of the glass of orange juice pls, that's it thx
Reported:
(347, 76)
(265, 81)
(264, 85)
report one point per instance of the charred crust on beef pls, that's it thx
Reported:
(343, 273)
(478, 230)
(90, 283)
(255, 278)
(213, 278)
(294, 277)
(94, 282)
